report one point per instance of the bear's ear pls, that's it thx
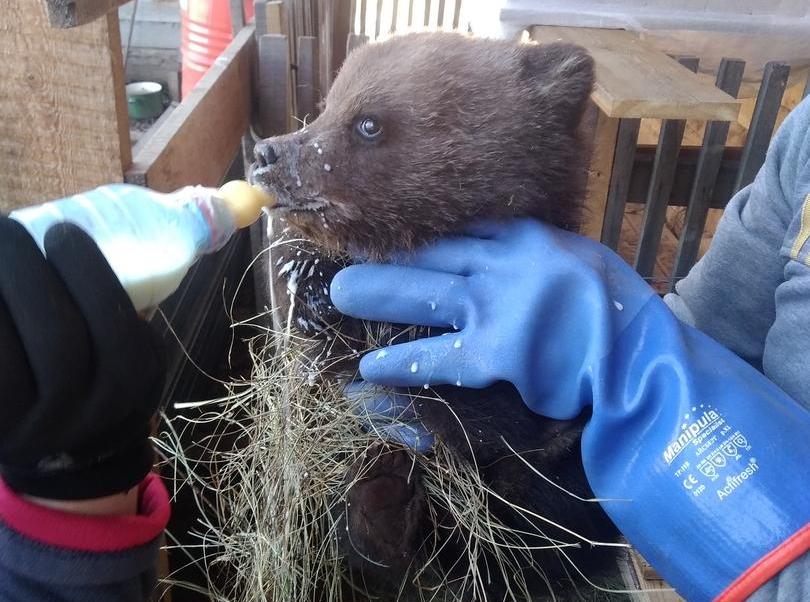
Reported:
(562, 75)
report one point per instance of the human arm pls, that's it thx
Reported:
(762, 249)
(80, 376)
(572, 326)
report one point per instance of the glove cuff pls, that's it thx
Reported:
(116, 473)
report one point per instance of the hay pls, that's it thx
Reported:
(273, 500)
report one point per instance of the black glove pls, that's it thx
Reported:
(80, 373)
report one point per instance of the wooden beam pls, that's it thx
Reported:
(605, 130)
(729, 77)
(769, 100)
(619, 187)
(658, 195)
(274, 91)
(633, 79)
(63, 117)
(72, 13)
(307, 89)
(198, 142)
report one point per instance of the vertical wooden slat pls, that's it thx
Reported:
(61, 133)
(427, 13)
(307, 90)
(237, 16)
(274, 85)
(626, 142)
(393, 27)
(457, 14)
(363, 17)
(604, 130)
(769, 99)
(806, 85)
(729, 76)
(355, 41)
(410, 14)
(440, 16)
(260, 19)
(378, 19)
(275, 17)
(661, 180)
(352, 16)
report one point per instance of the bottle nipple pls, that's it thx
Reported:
(245, 201)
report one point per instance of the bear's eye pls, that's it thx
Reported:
(369, 128)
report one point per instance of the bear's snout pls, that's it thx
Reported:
(265, 153)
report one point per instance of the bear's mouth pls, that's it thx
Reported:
(285, 200)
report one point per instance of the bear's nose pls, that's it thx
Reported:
(265, 154)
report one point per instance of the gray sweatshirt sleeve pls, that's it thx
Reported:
(751, 291)
(47, 555)
(31, 571)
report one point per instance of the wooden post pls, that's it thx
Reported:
(619, 187)
(766, 110)
(63, 119)
(663, 177)
(72, 13)
(274, 85)
(605, 130)
(729, 77)
(308, 92)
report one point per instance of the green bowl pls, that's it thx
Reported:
(144, 100)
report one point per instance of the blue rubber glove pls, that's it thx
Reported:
(389, 414)
(711, 455)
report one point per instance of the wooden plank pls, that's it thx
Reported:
(456, 14)
(394, 14)
(440, 15)
(260, 17)
(237, 15)
(635, 80)
(355, 41)
(72, 13)
(63, 117)
(605, 130)
(766, 110)
(276, 17)
(729, 77)
(663, 177)
(307, 91)
(197, 143)
(427, 13)
(378, 19)
(410, 14)
(363, 17)
(274, 93)
(626, 141)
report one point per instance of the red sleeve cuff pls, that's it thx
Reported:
(767, 567)
(89, 533)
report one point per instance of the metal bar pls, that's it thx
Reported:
(663, 177)
(766, 111)
(626, 142)
(729, 77)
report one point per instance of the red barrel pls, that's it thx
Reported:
(206, 29)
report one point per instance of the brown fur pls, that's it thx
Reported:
(472, 129)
